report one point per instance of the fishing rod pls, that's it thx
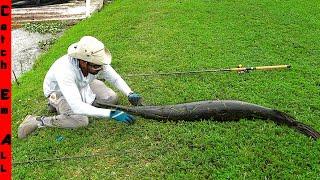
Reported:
(238, 69)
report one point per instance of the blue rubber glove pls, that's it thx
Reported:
(121, 116)
(135, 99)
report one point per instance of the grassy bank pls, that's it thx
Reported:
(165, 36)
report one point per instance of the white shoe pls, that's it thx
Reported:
(29, 124)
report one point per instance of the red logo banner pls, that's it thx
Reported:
(5, 89)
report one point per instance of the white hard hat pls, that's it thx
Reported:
(91, 50)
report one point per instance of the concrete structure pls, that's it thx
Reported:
(72, 11)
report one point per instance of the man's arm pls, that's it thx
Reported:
(115, 79)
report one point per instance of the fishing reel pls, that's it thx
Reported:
(241, 69)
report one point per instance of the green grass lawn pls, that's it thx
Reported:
(165, 36)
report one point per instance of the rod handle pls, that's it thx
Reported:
(272, 67)
(259, 68)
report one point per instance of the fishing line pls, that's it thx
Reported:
(65, 158)
(60, 159)
(238, 69)
(15, 77)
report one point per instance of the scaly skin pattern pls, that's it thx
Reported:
(220, 110)
(217, 110)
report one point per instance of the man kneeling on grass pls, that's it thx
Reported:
(73, 90)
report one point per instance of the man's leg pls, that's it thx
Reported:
(103, 93)
(64, 119)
